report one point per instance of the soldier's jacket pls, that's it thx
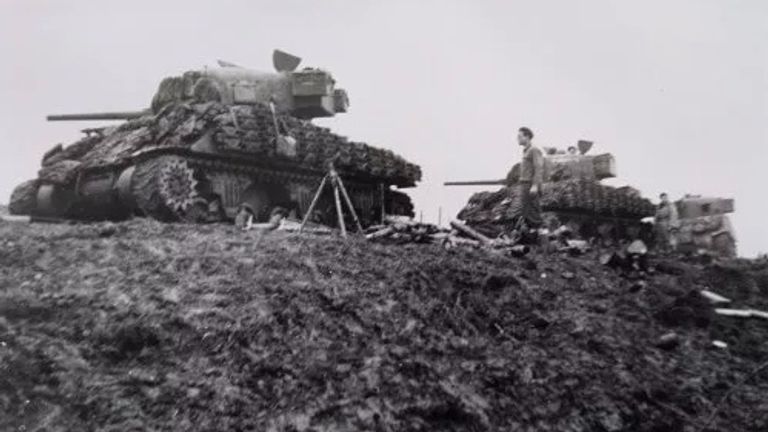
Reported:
(532, 166)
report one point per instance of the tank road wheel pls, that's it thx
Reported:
(256, 199)
(165, 188)
(261, 199)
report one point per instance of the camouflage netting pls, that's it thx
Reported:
(240, 130)
(582, 196)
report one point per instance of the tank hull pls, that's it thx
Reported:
(713, 233)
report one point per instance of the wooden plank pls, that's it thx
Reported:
(466, 230)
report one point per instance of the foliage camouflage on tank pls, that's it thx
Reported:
(237, 131)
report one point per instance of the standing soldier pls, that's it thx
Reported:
(531, 177)
(666, 223)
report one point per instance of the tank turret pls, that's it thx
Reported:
(308, 93)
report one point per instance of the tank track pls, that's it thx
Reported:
(223, 178)
(227, 180)
(399, 203)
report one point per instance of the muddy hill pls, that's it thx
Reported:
(143, 326)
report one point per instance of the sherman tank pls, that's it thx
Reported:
(703, 224)
(572, 195)
(212, 143)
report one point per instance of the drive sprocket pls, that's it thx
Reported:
(178, 186)
(165, 188)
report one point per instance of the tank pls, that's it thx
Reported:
(212, 143)
(704, 225)
(572, 195)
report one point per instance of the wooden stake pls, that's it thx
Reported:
(344, 193)
(314, 203)
(339, 212)
(337, 185)
(383, 203)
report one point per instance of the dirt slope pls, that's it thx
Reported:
(143, 326)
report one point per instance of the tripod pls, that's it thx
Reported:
(338, 191)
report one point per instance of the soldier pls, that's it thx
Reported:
(666, 223)
(531, 177)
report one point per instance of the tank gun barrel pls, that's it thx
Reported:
(476, 183)
(119, 115)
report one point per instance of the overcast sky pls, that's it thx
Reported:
(676, 90)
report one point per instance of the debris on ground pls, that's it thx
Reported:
(714, 297)
(668, 341)
(742, 313)
(402, 230)
(288, 224)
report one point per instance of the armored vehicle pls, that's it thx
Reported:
(212, 143)
(704, 225)
(572, 195)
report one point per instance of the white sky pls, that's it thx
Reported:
(677, 90)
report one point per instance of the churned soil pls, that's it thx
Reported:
(143, 326)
